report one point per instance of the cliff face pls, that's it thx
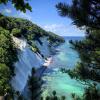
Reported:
(33, 45)
(27, 60)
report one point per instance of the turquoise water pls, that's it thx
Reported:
(61, 82)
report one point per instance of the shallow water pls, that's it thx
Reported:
(61, 82)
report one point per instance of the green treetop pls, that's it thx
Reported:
(21, 5)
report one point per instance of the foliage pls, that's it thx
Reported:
(16, 32)
(8, 55)
(54, 97)
(35, 48)
(4, 72)
(34, 85)
(85, 15)
(91, 93)
(55, 39)
(22, 27)
(82, 12)
(75, 97)
(21, 5)
(4, 79)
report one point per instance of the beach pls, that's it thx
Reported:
(48, 61)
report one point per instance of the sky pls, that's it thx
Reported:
(44, 14)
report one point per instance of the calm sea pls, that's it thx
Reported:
(67, 57)
(61, 82)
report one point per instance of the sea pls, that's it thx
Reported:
(61, 82)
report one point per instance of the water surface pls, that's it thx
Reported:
(61, 82)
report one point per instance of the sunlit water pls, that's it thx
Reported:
(61, 82)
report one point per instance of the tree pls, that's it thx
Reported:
(16, 32)
(85, 14)
(91, 93)
(34, 85)
(54, 96)
(4, 78)
(82, 12)
(8, 53)
(63, 98)
(4, 72)
(21, 5)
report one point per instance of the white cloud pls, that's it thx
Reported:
(53, 27)
(24, 15)
(7, 10)
(64, 30)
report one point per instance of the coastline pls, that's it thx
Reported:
(48, 61)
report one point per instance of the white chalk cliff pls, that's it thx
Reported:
(27, 60)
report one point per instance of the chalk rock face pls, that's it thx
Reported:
(28, 60)
(44, 48)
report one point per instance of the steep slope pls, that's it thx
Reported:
(27, 60)
(33, 45)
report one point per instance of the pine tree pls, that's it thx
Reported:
(34, 85)
(21, 5)
(85, 14)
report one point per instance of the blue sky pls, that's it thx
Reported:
(44, 14)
